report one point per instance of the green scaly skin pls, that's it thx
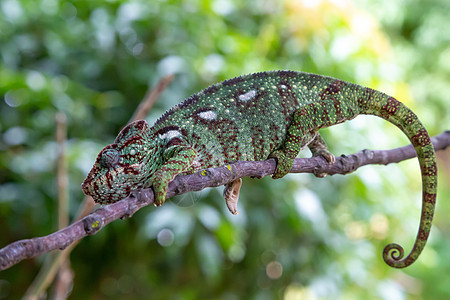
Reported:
(251, 118)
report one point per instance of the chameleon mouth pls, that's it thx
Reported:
(101, 197)
(88, 185)
(85, 186)
(104, 194)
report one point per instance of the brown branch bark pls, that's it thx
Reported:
(91, 224)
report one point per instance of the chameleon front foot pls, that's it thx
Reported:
(160, 190)
(231, 195)
(179, 158)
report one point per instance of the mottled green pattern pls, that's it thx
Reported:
(253, 117)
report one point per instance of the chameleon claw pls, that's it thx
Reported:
(160, 192)
(157, 204)
(330, 158)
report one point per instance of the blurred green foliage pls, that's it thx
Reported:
(295, 238)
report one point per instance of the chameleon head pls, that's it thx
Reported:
(123, 166)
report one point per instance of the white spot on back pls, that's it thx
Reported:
(208, 115)
(247, 96)
(170, 134)
(283, 86)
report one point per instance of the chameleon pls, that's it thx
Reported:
(254, 117)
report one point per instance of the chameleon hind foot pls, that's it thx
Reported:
(160, 189)
(329, 157)
(231, 195)
(318, 147)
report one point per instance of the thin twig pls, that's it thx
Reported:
(91, 224)
(151, 97)
(64, 274)
(62, 177)
(52, 264)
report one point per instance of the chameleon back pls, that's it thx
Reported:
(244, 118)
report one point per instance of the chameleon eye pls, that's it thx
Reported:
(110, 158)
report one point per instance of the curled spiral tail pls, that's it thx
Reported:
(390, 109)
(356, 100)
(393, 256)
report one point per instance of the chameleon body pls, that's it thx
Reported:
(250, 118)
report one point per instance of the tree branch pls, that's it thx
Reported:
(91, 224)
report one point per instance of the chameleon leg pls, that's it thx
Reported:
(182, 157)
(231, 195)
(301, 132)
(285, 157)
(318, 147)
(297, 136)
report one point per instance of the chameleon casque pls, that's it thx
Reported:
(254, 117)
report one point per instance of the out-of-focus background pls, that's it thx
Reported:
(296, 238)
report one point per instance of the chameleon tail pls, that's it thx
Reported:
(388, 108)
(340, 101)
